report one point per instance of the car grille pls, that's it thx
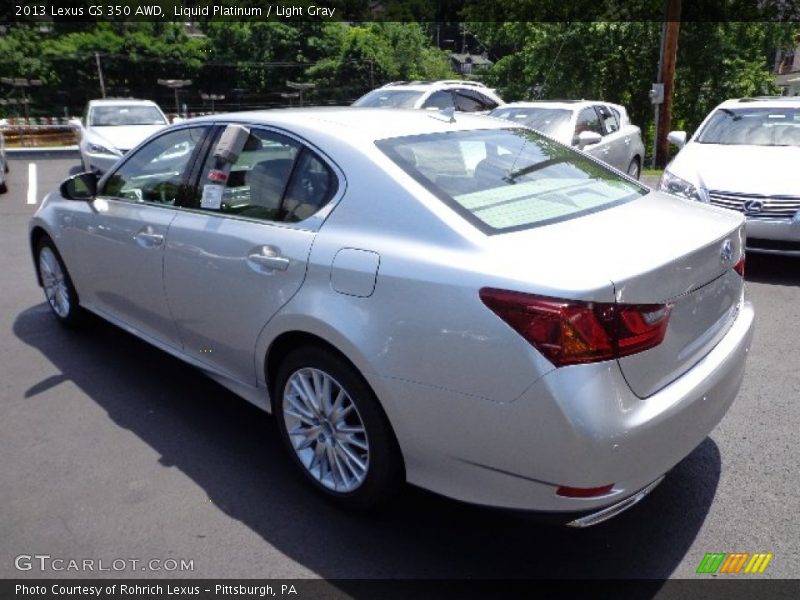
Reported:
(757, 206)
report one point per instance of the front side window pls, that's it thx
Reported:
(508, 179)
(588, 121)
(753, 126)
(274, 179)
(156, 172)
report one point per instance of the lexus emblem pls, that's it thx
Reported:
(752, 207)
(726, 252)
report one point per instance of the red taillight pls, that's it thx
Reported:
(739, 266)
(573, 492)
(571, 332)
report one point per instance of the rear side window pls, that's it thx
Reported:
(509, 179)
(471, 101)
(274, 179)
(440, 99)
(610, 120)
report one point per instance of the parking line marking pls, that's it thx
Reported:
(31, 183)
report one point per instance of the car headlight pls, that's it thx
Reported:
(673, 184)
(98, 149)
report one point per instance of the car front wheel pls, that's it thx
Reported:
(58, 288)
(335, 430)
(633, 169)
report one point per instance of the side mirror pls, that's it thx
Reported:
(76, 123)
(677, 138)
(82, 186)
(588, 138)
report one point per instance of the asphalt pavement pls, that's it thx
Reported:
(112, 450)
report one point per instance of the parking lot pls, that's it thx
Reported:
(114, 450)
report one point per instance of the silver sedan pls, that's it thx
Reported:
(601, 129)
(455, 302)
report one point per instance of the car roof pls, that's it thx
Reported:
(761, 102)
(120, 102)
(366, 124)
(426, 85)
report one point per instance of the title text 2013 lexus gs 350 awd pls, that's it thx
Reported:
(453, 301)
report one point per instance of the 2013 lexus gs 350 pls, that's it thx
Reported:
(453, 301)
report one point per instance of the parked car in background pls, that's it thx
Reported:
(3, 165)
(463, 96)
(601, 129)
(745, 157)
(458, 302)
(110, 127)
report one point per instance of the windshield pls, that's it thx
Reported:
(508, 179)
(109, 116)
(753, 126)
(552, 121)
(389, 99)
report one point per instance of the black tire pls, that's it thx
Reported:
(3, 187)
(634, 170)
(71, 317)
(384, 467)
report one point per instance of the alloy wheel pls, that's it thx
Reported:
(54, 282)
(326, 430)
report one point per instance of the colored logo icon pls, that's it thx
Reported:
(734, 562)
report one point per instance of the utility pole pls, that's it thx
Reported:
(669, 56)
(100, 74)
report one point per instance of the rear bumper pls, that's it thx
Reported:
(773, 236)
(577, 426)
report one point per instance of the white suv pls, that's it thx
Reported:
(465, 96)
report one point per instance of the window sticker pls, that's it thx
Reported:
(212, 197)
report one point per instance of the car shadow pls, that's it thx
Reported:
(773, 268)
(223, 442)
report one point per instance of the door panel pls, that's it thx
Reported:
(225, 278)
(118, 246)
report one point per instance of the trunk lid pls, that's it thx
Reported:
(655, 249)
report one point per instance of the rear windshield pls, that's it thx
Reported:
(508, 179)
(389, 99)
(552, 121)
(753, 126)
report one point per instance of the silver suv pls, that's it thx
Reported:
(464, 96)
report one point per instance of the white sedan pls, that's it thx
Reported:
(744, 157)
(112, 127)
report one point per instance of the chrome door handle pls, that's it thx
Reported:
(269, 258)
(149, 239)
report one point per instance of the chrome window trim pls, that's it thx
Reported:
(312, 223)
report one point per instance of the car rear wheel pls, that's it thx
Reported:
(58, 288)
(633, 169)
(335, 430)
